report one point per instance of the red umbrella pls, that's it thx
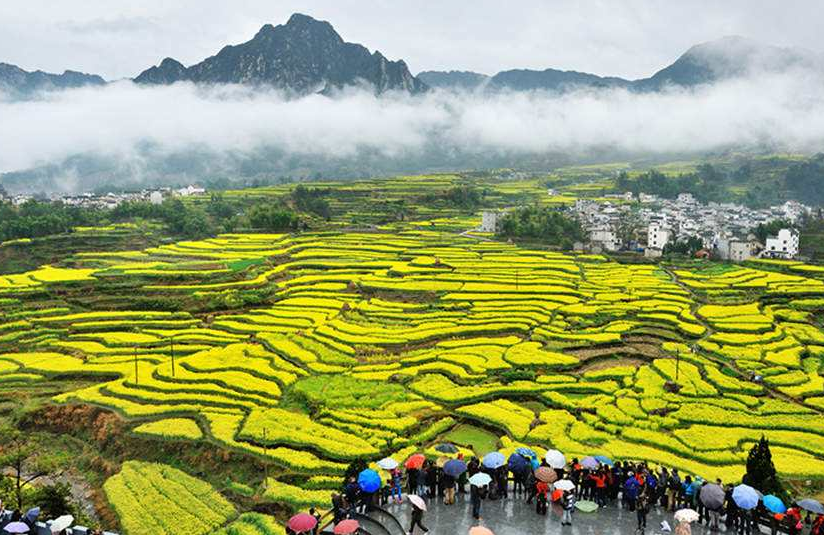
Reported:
(302, 522)
(345, 527)
(415, 462)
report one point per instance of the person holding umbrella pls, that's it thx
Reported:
(451, 471)
(568, 501)
(477, 492)
(541, 498)
(418, 507)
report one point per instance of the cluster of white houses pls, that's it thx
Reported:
(112, 200)
(724, 229)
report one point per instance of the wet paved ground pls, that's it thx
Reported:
(516, 517)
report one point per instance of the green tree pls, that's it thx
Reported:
(272, 218)
(24, 460)
(761, 472)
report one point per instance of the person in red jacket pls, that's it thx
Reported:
(818, 526)
(600, 480)
(541, 497)
(793, 519)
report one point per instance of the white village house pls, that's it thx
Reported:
(784, 245)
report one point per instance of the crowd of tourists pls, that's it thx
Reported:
(13, 521)
(565, 488)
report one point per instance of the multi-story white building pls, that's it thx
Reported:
(658, 235)
(785, 245)
(490, 221)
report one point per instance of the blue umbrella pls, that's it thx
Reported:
(369, 481)
(494, 460)
(454, 468)
(518, 464)
(527, 452)
(32, 514)
(535, 464)
(774, 504)
(604, 460)
(745, 497)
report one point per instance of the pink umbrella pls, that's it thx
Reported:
(346, 527)
(480, 530)
(417, 501)
(302, 522)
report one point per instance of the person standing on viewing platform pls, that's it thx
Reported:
(642, 505)
(568, 501)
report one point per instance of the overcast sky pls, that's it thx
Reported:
(630, 38)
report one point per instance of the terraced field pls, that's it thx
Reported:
(315, 350)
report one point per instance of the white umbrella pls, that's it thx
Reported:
(417, 501)
(388, 463)
(480, 479)
(686, 515)
(565, 485)
(555, 459)
(60, 523)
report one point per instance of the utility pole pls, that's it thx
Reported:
(265, 461)
(172, 340)
(677, 365)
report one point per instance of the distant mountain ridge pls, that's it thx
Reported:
(19, 82)
(302, 56)
(706, 63)
(306, 55)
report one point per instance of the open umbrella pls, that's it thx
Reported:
(529, 453)
(813, 506)
(604, 460)
(745, 497)
(480, 530)
(415, 462)
(774, 504)
(369, 481)
(565, 484)
(17, 527)
(546, 474)
(388, 463)
(555, 459)
(32, 514)
(589, 462)
(535, 463)
(519, 464)
(60, 523)
(446, 448)
(302, 522)
(586, 506)
(417, 501)
(454, 468)
(346, 527)
(494, 460)
(686, 515)
(712, 496)
(480, 479)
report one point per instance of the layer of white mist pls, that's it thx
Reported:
(781, 111)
